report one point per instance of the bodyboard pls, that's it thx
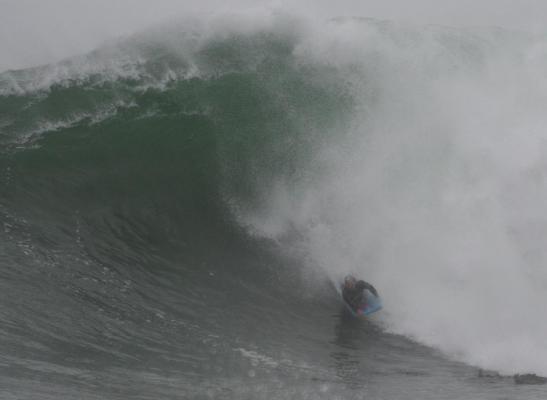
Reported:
(372, 305)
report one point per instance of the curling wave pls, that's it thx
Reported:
(202, 174)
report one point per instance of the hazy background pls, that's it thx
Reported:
(34, 32)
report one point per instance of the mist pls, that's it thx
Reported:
(435, 193)
(34, 32)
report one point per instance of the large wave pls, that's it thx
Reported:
(412, 156)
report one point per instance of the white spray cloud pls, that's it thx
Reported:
(34, 32)
(438, 194)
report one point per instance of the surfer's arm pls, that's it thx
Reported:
(368, 286)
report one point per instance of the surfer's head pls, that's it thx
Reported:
(349, 281)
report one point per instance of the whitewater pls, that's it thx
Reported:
(178, 207)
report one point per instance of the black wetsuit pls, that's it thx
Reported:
(355, 296)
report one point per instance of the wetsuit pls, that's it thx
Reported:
(355, 295)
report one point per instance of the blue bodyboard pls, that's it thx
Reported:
(372, 305)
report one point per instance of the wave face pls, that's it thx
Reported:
(177, 205)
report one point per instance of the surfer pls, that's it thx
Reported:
(353, 291)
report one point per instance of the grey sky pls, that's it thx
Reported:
(37, 31)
